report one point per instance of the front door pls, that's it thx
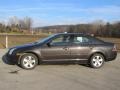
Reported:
(58, 49)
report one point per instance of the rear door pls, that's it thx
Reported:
(81, 47)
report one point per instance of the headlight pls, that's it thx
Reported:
(11, 50)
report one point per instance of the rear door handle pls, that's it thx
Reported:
(65, 48)
(91, 47)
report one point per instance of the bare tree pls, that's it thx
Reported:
(13, 21)
(25, 23)
(28, 23)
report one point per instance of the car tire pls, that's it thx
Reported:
(28, 61)
(97, 60)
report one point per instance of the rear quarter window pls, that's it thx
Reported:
(96, 40)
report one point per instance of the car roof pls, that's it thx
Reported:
(72, 34)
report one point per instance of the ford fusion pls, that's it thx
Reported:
(64, 47)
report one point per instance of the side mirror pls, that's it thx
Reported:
(49, 44)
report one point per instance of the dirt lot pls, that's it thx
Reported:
(60, 77)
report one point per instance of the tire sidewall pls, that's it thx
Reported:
(91, 62)
(22, 59)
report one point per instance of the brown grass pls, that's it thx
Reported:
(14, 40)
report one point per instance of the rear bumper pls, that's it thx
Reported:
(112, 56)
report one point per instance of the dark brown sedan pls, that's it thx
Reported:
(64, 47)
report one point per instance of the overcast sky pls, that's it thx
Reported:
(52, 12)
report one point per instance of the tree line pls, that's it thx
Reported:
(103, 30)
(15, 24)
(98, 28)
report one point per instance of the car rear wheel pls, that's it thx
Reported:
(97, 60)
(28, 61)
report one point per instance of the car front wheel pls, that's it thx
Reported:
(97, 60)
(28, 61)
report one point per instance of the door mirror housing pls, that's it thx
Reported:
(49, 44)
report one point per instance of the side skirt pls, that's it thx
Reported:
(65, 61)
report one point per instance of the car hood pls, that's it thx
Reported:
(26, 46)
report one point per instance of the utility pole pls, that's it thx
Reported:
(6, 41)
(32, 31)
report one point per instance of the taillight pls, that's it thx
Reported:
(114, 48)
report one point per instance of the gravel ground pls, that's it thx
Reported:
(60, 77)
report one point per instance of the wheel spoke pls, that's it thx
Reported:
(25, 60)
(100, 60)
(95, 64)
(98, 63)
(30, 57)
(26, 64)
(33, 61)
(31, 65)
(94, 59)
(98, 57)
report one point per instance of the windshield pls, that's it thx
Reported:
(45, 39)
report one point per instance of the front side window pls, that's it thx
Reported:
(61, 40)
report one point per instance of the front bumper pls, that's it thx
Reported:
(12, 58)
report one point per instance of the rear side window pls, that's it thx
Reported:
(80, 40)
